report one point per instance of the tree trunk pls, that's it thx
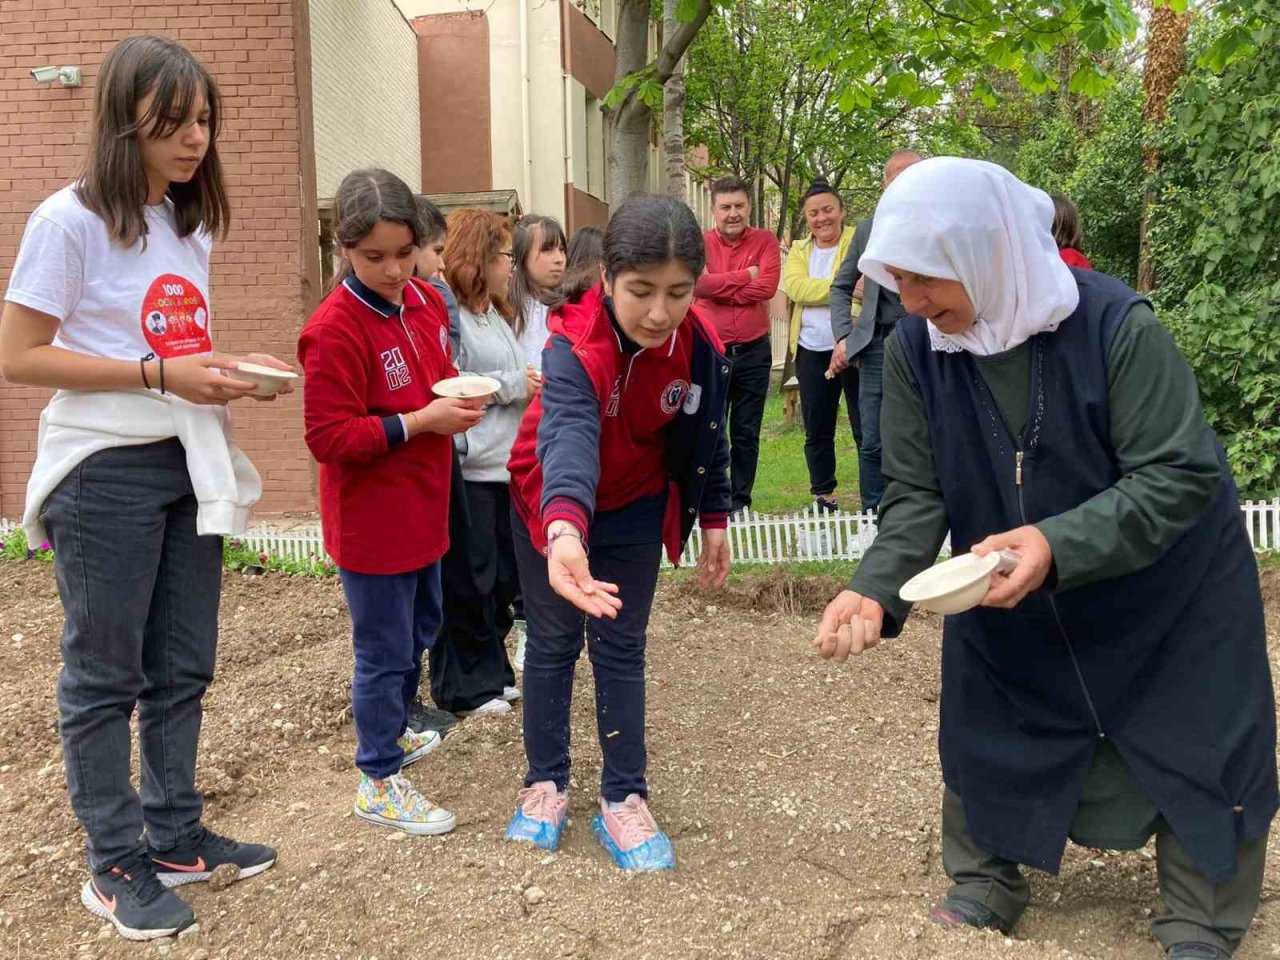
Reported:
(630, 120)
(673, 100)
(1164, 66)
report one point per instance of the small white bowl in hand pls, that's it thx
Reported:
(958, 584)
(267, 381)
(477, 391)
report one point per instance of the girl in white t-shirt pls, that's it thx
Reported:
(538, 255)
(136, 476)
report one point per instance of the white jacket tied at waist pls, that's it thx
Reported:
(75, 425)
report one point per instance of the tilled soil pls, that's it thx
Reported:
(802, 799)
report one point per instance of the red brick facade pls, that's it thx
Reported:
(265, 274)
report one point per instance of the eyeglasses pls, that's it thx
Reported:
(508, 254)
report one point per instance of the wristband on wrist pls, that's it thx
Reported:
(570, 532)
(142, 365)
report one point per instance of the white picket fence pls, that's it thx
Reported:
(756, 538)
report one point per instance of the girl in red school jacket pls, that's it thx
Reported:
(617, 457)
(371, 353)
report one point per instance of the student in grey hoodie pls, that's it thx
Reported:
(470, 672)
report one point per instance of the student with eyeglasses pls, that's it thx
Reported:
(470, 672)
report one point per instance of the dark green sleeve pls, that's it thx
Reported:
(1166, 454)
(913, 518)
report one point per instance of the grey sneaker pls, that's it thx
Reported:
(195, 860)
(953, 912)
(131, 896)
(1194, 950)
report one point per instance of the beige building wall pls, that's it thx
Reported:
(365, 91)
(527, 96)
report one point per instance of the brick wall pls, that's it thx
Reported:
(366, 94)
(259, 283)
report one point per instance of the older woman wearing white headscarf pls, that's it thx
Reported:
(1115, 684)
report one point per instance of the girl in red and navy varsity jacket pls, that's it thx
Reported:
(371, 353)
(615, 459)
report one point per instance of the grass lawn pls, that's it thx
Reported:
(782, 480)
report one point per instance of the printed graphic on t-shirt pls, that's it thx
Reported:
(175, 317)
(396, 369)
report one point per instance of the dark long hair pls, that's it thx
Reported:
(547, 234)
(366, 198)
(114, 182)
(650, 230)
(1067, 230)
(582, 269)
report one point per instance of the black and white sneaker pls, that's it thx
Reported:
(131, 896)
(195, 862)
(423, 718)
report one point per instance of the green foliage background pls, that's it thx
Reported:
(1054, 92)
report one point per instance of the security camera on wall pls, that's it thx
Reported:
(66, 76)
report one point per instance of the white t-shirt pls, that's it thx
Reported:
(112, 302)
(534, 337)
(815, 322)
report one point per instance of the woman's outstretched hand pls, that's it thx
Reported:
(850, 624)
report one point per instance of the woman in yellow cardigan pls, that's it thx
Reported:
(806, 279)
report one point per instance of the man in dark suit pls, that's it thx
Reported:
(860, 339)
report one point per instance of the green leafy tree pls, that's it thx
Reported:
(1095, 158)
(870, 61)
(1213, 230)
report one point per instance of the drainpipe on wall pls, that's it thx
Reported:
(568, 147)
(526, 157)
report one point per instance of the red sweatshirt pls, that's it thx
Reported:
(384, 500)
(1074, 258)
(736, 305)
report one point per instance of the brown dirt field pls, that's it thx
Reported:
(802, 798)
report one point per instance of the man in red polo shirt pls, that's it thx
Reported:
(741, 277)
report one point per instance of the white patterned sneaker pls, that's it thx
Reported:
(417, 745)
(393, 802)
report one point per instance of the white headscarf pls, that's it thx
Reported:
(975, 222)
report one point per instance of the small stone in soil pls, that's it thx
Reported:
(223, 876)
(534, 895)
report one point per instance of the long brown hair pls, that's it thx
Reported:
(475, 238)
(1067, 231)
(534, 233)
(114, 182)
(582, 272)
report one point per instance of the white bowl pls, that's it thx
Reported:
(954, 586)
(267, 380)
(466, 388)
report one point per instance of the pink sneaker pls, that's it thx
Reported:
(631, 835)
(541, 815)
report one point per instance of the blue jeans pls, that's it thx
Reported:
(616, 648)
(395, 618)
(140, 596)
(870, 395)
